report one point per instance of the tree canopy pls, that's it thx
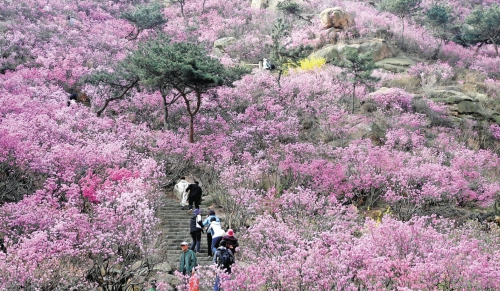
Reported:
(482, 27)
(183, 69)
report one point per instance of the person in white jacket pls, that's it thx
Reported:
(218, 233)
(180, 188)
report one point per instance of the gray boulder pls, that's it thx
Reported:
(397, 64)
(221, 44)
(336, 17)
(379, 48)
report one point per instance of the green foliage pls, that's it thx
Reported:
(401, 8)
(438, 15)
(146, 16)
(441, 20)
(119, 82)
(482, 26)
(358, 69)
(292, 8)
(183, 67)
(184, 70)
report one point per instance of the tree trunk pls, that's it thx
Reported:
(192, 113)
(495, 45)
(403, 31)
(353, 95)
(106, 102)
(165, 110)
(280, 72)
(191, 128)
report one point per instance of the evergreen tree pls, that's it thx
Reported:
(482, 27)
(292, 8)
(402, 9)
(120, 82)
(146, 16)
(182, 70)
(441, 21)
(358, 69)
(282, 56)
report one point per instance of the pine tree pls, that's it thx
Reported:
(358, 69)
(146, 16)
(482, 27)
(183, 70)
(282, 56)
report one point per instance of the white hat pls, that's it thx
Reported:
(184, 243)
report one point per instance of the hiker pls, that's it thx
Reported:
(210, 232)
(266, 65)
(73, 97)
(195, 229)
(231, 241)
(224, 259)
(188, 260)
(180, 187)
(195, 194)
(153, 285)
(70, 20)
(218, 233)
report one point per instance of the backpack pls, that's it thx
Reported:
(226, 259)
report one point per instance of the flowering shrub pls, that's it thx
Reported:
(311, 63)
(291, 160)
(495, 131)
(492, 87)
(431, 75)
(392, 98)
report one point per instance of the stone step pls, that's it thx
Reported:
(175, 224)
(182, 235)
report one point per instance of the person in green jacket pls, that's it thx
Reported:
(153, 285)
(188, 260)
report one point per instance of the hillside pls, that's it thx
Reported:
(351, 145)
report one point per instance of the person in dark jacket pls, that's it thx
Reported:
(195, 230)
(231, 241)
(195, 194)
(218, 260)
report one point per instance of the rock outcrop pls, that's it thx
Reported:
(379, 48)
(221, 44)
(463, 104)
(397, 64)
(336, 17)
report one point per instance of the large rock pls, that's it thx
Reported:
(379, 48)
(221, 44)
(327, 36)
(398, 64)
(172, 280)
(448, 96)
(329, 52)
(336, 17)
(163, 267)
(470, 104)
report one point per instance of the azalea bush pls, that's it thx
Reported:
(295, 165)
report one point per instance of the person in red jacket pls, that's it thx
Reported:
(231, 241)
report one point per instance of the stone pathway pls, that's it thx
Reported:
(175, 225)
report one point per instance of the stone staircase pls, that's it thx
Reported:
(175, 225)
